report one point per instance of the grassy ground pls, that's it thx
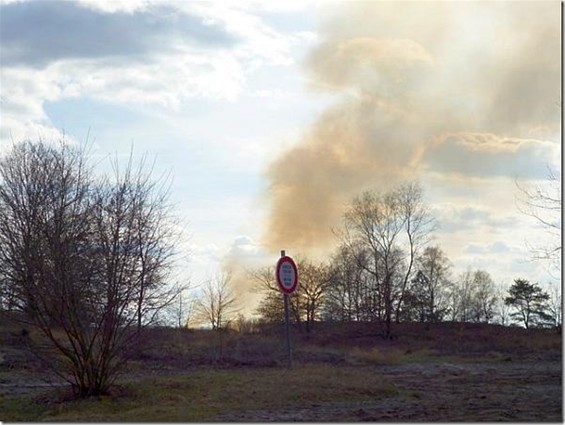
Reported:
(474, 371)
(204, 394)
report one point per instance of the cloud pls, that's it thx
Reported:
(144, 55)
(204, 254)
(127, 6)
(21, 105)
(457, 218)
(504, 261)
(244, 246)
(498, 247)
(37, 33)
(489, 155)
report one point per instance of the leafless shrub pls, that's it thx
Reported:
(86, 259)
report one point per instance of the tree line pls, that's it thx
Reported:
(385, 270)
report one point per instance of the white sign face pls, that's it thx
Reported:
(286, 275)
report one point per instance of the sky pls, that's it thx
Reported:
(271, 116)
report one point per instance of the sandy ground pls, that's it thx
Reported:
(509, 391)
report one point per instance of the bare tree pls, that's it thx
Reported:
(347, 287)
(305, 302)
(502, 309)
(542, 202)
(461, 296)
(313, 283)
(72, 250)
(391, 228)
(429, 289)
(483, 299)
(217, 304)
(376, 223)
(271, 307)
(473, 297)
(183, 310)
(264, 279)
(135, 238)
(418, 225)
(555, 306)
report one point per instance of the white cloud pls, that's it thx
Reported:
(166, 81)
(259, 42)
(211, 51)
(487, 155)
(127, 6)
(204, 254)
(244, 249)
(498, 247)
(455, 218)
(21, 104)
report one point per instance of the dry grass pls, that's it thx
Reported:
(205, 394)
(201, 375)
(374, 356)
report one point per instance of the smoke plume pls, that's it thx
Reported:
(407, 84)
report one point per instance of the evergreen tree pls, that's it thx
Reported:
(530, 302)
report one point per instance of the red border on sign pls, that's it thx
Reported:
(287, 259)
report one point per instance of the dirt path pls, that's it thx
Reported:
(510, 391)
(15, 384)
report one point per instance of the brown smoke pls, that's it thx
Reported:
(402, 80)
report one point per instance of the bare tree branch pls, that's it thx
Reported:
(542, 202)
(86, 259)
(217, 304)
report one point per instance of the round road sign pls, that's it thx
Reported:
(287, 275)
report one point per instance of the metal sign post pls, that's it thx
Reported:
(287, 278)
(287, 325)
